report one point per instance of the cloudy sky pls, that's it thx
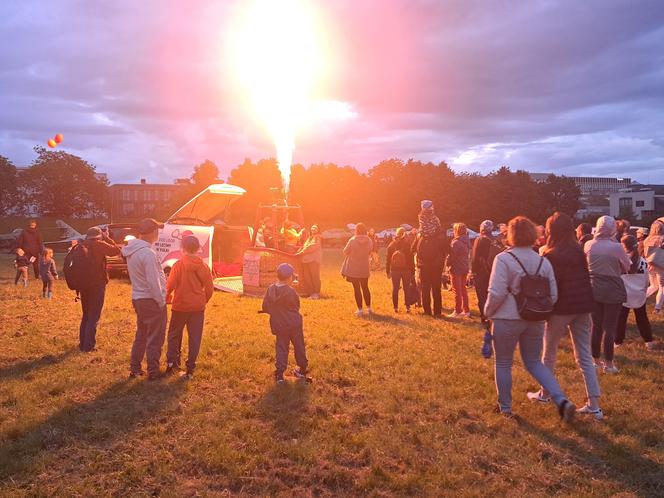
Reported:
(147, 89)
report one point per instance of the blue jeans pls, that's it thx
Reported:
(529, 336)
(400, 279)
(92, 302)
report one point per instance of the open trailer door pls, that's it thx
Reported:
(196, 217)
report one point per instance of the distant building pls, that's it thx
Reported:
(645, 202)
(591, 185)
(135, 200)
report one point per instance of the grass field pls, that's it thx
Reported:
(400, 405)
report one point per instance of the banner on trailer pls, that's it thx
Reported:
(168, 247)
(251, 269)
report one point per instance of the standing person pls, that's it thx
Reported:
(21, 263)
(47, 272)
(502, 235)
(430, 253)
(458, 261)
(312, 257)
(429, 222)
(622, 229)
(374, 256)
(655, 242)
(399, 265)
(584, 233)
(282, 303)
(30, 240)
(541, 238)
(189, 288)
(571, 311)
(640, 239)
(356, 268)
(148, 296)
(484, 251)
(509, 329)
(636, 295)
(97, 246)
(607, 261)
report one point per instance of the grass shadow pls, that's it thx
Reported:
(17, 370)
(284, 405)
(641, 475)
(116, 412)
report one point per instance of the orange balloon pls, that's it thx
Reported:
(51, 143)
(58, 138)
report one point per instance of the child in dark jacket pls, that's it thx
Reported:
(22, 262)
(282, 303)
(47, 272)
(459, 263)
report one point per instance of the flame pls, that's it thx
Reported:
(277, 58)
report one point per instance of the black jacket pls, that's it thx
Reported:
(399, 245)
(575, 295)
(480, 263)
(98, 250)
(30, 240)
(282, 303)
(431, 251)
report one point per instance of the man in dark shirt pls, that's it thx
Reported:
(431, 252)
(484, 250)
(30, 240)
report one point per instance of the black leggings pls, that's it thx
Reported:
(361, 288)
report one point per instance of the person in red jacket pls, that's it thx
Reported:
(188, 289)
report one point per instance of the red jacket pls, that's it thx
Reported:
(189, 284)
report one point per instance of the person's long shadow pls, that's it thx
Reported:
(284, 406)
(630, 469)
(108, 417)
(18, 370)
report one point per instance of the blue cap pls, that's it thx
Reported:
(426, 204)
(284, 270)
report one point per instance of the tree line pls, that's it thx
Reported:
(62, 184)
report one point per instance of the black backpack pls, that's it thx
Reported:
(78, 267)
(428, 249)
(533, 301)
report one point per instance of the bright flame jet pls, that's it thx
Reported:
(278, 61)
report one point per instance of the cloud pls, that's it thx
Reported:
(145, 89)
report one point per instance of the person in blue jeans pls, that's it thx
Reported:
(400, 268)
(509, 329)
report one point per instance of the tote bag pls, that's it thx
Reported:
(636, 286)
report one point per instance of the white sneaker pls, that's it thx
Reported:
(611, 370)
(454, 314)
(650, 346)
(359, 312)
(369, 311)
(538, 396)
(465, 314)
(314, 296)
(598, 414)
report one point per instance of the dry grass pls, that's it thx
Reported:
(400, 405)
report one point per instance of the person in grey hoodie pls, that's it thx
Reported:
(459, 262)
(356, 266)
(607, 261)
(148, 296)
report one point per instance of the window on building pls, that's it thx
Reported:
(640, 204)
(128, 208)
(625, 202)
(126, 195)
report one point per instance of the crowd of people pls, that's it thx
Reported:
(534, 284)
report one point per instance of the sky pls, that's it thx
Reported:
(149, 89)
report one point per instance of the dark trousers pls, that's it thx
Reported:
(642, 323)
(605, 321)
(401, 279)
(311, 278)
(482, 291)
(92, 302)
(47, 284)
(35, 263)
(21, 274)
(194, 322)
(361, 289)
(431, 280)
(150, 333)
(282, 346)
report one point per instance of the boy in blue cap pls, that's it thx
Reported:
(282, 303)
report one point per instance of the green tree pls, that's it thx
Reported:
(205, 174)
(258, 179)
(62, 184)
(561, 194)
(8, 186)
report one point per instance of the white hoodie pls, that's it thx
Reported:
(147, 278)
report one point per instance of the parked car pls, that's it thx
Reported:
(335, 237)
(121, 233)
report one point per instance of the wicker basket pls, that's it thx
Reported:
(260, 268)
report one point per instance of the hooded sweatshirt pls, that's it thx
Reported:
(190, 283)
(357, 253)
(282, 303)
(605, 255)
(30, 240)
(147, 278)
(458, 260)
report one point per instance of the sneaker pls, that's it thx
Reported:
(187, 375)
(396, 310)
(171, 369)
(651, 346)
(25, 283)
(359, 312)
(369, 311)
(454, 314)
(301, 374)
(611, 370)
(407, 309)
(566, 410)
(49, 295)
(156, 376)
(279, 378)
(597, 413)
(538, 396)
(134, 375)
(314, 296)
(465, 314)
(487, 350)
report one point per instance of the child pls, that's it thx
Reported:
(47, 272)
(190, 286)
(282, 303)
(21, 263)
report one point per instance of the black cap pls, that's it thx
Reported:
(148, 225)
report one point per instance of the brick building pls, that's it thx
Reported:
(136, 200)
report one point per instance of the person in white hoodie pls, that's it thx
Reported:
(148, 296)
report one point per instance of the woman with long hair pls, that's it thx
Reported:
(356, 267)
(509, 328)
(312, 257)
(653, 242)
(572, 309)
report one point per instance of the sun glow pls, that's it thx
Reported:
(278, 60)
